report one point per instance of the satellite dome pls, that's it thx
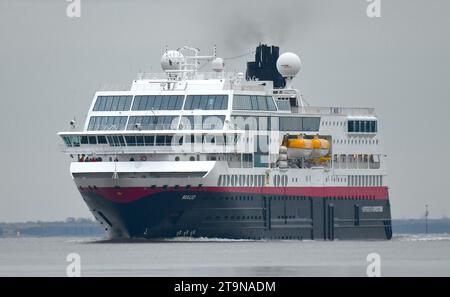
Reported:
(171, 60)
(288, 65)
(218, 65)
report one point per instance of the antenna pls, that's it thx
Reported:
(288, 65)
(183, 62)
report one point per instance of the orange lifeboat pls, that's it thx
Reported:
(321, 147)
(299, 147)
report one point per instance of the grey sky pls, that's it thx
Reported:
(51, 65)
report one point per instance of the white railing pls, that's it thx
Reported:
(152, 149)
(177, 76)
(334, 110)
(114, 87)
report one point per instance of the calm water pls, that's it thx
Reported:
(403, 256)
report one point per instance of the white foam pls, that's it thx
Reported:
(422, 237)
(208, 239)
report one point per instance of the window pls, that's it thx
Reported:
(149, 140)
(130, 140)
(351, 127)
(374, 162)
(206, 102)
(291, 124)
(138, 140)
(357, 126)
(158, 102)
(270, 104)
(92, 139)
(152, 123)
(245, 122)
(72, 140)
(254, 123)
(116, 140)
(283, 104)
(164, 140)
(102, 140)
(311, 124)
(362, 126)
(247, 102)
(112, 103)
(260, 160)
(214, 122)
(107, 123)
(299, 124)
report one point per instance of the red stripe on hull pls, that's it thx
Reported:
(125, 195)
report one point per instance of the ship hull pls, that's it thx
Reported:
(242, 213)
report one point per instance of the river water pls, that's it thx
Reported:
(407, 255)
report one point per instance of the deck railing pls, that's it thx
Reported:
(355, 111)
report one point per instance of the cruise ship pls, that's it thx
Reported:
(238, 155)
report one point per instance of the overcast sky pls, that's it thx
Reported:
(51, 65)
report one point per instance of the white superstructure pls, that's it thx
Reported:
(141, 124)
(185, 129)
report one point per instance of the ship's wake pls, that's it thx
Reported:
(422, 237)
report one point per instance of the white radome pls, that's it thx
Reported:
(288, 64)
(171, 60)
(218, 65)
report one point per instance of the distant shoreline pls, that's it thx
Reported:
(82, 227)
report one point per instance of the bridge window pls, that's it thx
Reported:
(139, 140)
(158, 102)
(107, 123)
(206, 102)
(92, 140)
(72, 140)
(116, 140)
(152, 123)
(164, 140)
(102, 140)
(113, 103)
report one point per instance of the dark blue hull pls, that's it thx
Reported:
(242, 216)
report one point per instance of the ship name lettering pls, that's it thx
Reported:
(188, 197)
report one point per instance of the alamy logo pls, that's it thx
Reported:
(374, 9)
(74, 9)
(74, 267)
(374, 265)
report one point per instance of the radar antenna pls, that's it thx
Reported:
(183, 62)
